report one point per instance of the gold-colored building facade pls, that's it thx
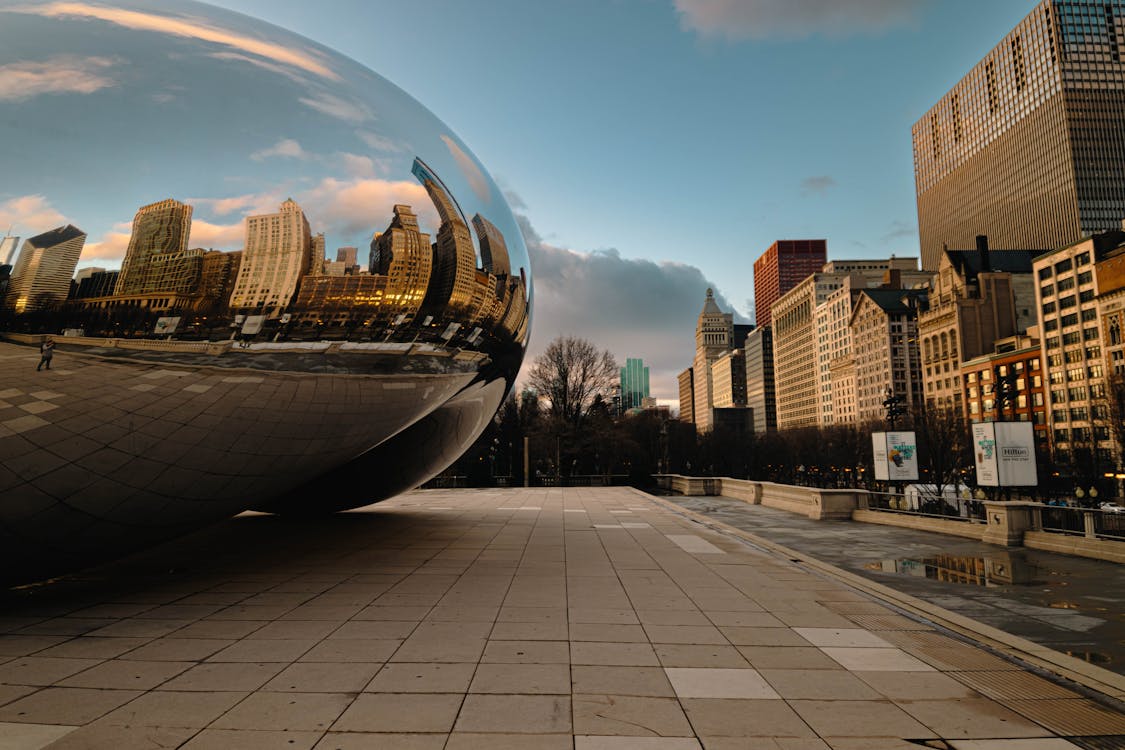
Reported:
(1029, 147)
(160, 236)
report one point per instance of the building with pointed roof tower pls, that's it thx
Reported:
(714, 336)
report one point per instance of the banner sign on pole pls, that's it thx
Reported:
(896, 456)
(1005, 454)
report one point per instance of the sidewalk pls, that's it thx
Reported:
(546, 618)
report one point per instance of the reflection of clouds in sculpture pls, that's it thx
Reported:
(187, 28)
(300, 317)
(62, 74)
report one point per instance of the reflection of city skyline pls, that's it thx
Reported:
(283, 275)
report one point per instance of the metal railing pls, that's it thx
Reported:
(1063, 520)
(926, 506)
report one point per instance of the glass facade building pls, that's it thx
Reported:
(1029, 147)
(634, 384)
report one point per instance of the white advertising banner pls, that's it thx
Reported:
(896, 456)
(1005, 454)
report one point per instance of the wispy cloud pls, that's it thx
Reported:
(112, 245)
(795, 19)
(183, 26)
(818, 184)
(64, 74)
(899, 230)
(350, 111)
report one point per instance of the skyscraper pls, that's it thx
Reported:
(1029, 147)
(634, 384)
(8, 249)
(493, 248)
(402, 254)
(785, 265)
(277, 255)
(160, 228)
(44, 268)
(454, 254)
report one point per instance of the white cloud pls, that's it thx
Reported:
(59, 75)
(29, 215)
(112, 245)
(795, 19)
(183, 26)
(286, 148)
(219, 236)
(358, 166)
(364, 205)
(631, 307)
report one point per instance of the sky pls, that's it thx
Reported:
(653, 148)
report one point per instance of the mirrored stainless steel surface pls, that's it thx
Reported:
(238, 271)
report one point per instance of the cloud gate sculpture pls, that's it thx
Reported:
(253, 274)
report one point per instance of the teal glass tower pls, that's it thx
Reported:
(634, 384)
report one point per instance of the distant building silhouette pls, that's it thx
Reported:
(100, 283)
(8, 247)
(42, 273)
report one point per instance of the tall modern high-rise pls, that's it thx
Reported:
(686, 382)
(160, 228)
(1029, 147)
(785, 265)
(454, 254)
(634, 384)
(278, 253)
(43, 271)
(493, 248)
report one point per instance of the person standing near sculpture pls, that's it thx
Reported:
(46, 351)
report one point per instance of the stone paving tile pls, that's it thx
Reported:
(629, 715)
(422, 678)
(453, 625)
(400, 712)
(243, 739)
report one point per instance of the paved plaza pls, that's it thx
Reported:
(584, 619)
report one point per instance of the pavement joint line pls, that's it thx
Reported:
(1097, 683)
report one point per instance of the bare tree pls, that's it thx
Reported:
(570, 374)
(943, 444)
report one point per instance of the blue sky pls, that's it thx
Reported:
(652, 148)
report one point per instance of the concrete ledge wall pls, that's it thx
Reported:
(813, 502)
(1079, 546)
(922, 523)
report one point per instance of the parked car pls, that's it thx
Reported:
(1111, 507)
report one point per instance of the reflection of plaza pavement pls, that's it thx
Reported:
(98, 445)
(546, 618)
(1070, 604)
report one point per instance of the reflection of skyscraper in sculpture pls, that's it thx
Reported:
(455, 259)
(402, 254)
(43, 270)
(279, 250)
(316, 262)
(8, 250)
(493, 248)
(158, 228)
(218, 276)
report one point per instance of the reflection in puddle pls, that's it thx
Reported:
(1002, 570)
(1092, 657)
